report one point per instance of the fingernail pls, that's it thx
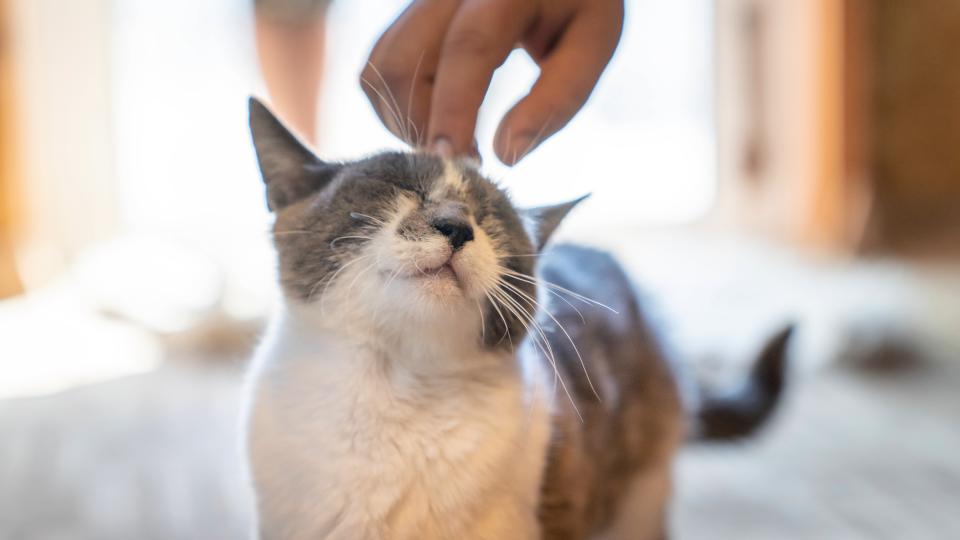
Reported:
(520, 146)
(442, 147)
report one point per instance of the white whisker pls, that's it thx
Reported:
(545, 283)
(357, 277)
(506, 327)
(339, 238)
(483, 326)
(413, 83)
(390, 109)
(544, 345)
(417, 266)
(393, 276)
(535, 305)
(569, 303)
(330, 280)
(404, 130)
(358, 215)
(536, 139)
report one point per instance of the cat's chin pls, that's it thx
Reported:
(439, 278)
(441, 284)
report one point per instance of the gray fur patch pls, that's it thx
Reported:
(637, 422)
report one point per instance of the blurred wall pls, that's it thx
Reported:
(839, 122)
(916, 119)
(780, 118)
(65, 180)
(9, 222)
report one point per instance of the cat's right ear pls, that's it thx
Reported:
(541, 222)
(290, 170)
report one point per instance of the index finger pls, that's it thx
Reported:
(398, 77)
(481, 35)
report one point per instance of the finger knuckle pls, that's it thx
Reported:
(470, 41)
(386, 77)
(395, 76)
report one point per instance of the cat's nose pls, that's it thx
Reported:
(457, 231)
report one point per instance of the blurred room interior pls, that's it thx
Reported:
(752, 162)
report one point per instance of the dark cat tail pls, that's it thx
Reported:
(740, 411)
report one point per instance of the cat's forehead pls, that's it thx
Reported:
(428, 176)
(414, 172)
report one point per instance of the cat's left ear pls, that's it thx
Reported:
(290, 170)
(543, 221)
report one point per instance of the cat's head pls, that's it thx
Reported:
(403, 241)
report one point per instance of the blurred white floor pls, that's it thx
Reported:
(850, 456)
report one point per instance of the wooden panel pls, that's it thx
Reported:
(840, 191)
(791, 119)
(916, 115)
(767, 113)
(67, 192)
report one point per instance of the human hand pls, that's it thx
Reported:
(429, 72)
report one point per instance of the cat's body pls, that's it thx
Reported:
(356, 439)
(363, 439)
(418, 384)
(610, 470)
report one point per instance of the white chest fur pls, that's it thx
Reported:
(347, 440)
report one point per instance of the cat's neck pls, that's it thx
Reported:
(445, 349)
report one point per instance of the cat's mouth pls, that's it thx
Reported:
(445, 271)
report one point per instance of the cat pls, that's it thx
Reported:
(437, 372)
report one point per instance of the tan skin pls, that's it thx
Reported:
(429, 72)
(291, 60)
